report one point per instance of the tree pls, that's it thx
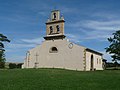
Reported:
(2, 50)
(114, 47)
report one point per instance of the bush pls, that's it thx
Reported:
(12, 65)
(19, 65)
(2, 64)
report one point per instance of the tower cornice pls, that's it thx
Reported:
(57, 21)
(54, 37)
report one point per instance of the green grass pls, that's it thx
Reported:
(58, 79)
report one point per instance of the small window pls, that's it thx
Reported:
(58, 28)
(53, 50)
(51, 29)
(99, 61)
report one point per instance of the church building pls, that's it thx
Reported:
(57, 52)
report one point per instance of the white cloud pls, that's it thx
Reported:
(104, 15)
(101, 25)
(106, 56)
(73, 38)
(33, 41)
(42, 13)
(95, 29)
(15, 58)
(14, 46)
(68, 9)
(100, 29)
(19, 19)
(102, 36)
(25, 43)
(97, 25)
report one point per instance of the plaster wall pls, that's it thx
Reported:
(67, 58)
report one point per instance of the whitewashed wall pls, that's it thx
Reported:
(97, 61)
(65, 58)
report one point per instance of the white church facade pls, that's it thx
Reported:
(57, 52)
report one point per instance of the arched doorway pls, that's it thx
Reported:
(92, 63)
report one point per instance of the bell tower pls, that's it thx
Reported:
(55, 26)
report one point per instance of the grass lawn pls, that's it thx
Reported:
(58, 79)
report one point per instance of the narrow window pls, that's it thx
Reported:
(51, 30)
(58, 28)
(54, 16)
(97, 60)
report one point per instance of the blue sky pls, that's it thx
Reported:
(88, 23)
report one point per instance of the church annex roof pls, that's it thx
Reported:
(90, 50)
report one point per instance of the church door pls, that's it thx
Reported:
(92, 62)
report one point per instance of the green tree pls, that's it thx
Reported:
(114, 47)
(2, 50)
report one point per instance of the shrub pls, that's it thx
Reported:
(12, 66)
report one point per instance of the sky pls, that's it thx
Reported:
(88, 23)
